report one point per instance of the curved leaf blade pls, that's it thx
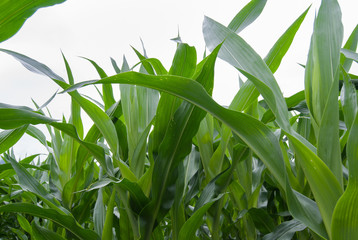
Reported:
(247, 15)
(14, 14)
(65, 221)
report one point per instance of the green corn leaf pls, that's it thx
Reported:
(345, 216)
(95, 150)
(263, 221)
(351, 44)
(20, 234)
(25, 225)
(9, 137)
(37, 134)
(8, 166)
(178, 86)
(14, 14)
(184, 64)
(240, 55)
(147, 66)
(42, 233)
(306, 210)
(107, 89)
(157, 66)
(324, 185)
(65, 221)
(255, 134)
(321, 84)
(75, 107)
(305, 154)
(186, 170)
(108, 224)
(139, 106)
(277, 52)
(291, 102)
(138, 199)
(27, 117)
(247, 15)
(237, 52)
(99, 213)
(176, 145)
(11, 118)
(247, 92)
(140, 151)
(100, 118)
(46, 103)
(205, 143)
(29, 183)
(83, 154)
(193, 223)
(350, 54)
(285, 230)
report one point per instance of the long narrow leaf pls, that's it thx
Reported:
(247, 15)
(14, 14)
(65, 221)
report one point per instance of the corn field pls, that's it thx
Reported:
(163, 160)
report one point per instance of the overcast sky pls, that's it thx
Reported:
(108, 28)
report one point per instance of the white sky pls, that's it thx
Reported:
(102, 29)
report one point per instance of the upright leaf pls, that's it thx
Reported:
(139, 106)
(321, 84)
(247, 15)
(351, 44)
(100, 118)
(176, 145)
(345, 216)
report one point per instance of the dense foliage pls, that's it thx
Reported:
(164, 161)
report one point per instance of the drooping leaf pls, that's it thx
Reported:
(351, 44)
(100, 118)
(14, 14)
(42, 233)
(65, 221)
(285, 230)
(9, 137)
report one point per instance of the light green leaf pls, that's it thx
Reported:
(351, 44)
(100, 118)
(277, 52)
(108, 224)
(9, 137)
(29, 183)
(14, 14)
(350, 54)
(107, 89)
(247, 15)
(321, 84)
(11, 118)
(345, 216)
(239, 54)
(25, 225)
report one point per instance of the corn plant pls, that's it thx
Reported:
(164, 161)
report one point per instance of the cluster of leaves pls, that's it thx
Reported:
(165, 161)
